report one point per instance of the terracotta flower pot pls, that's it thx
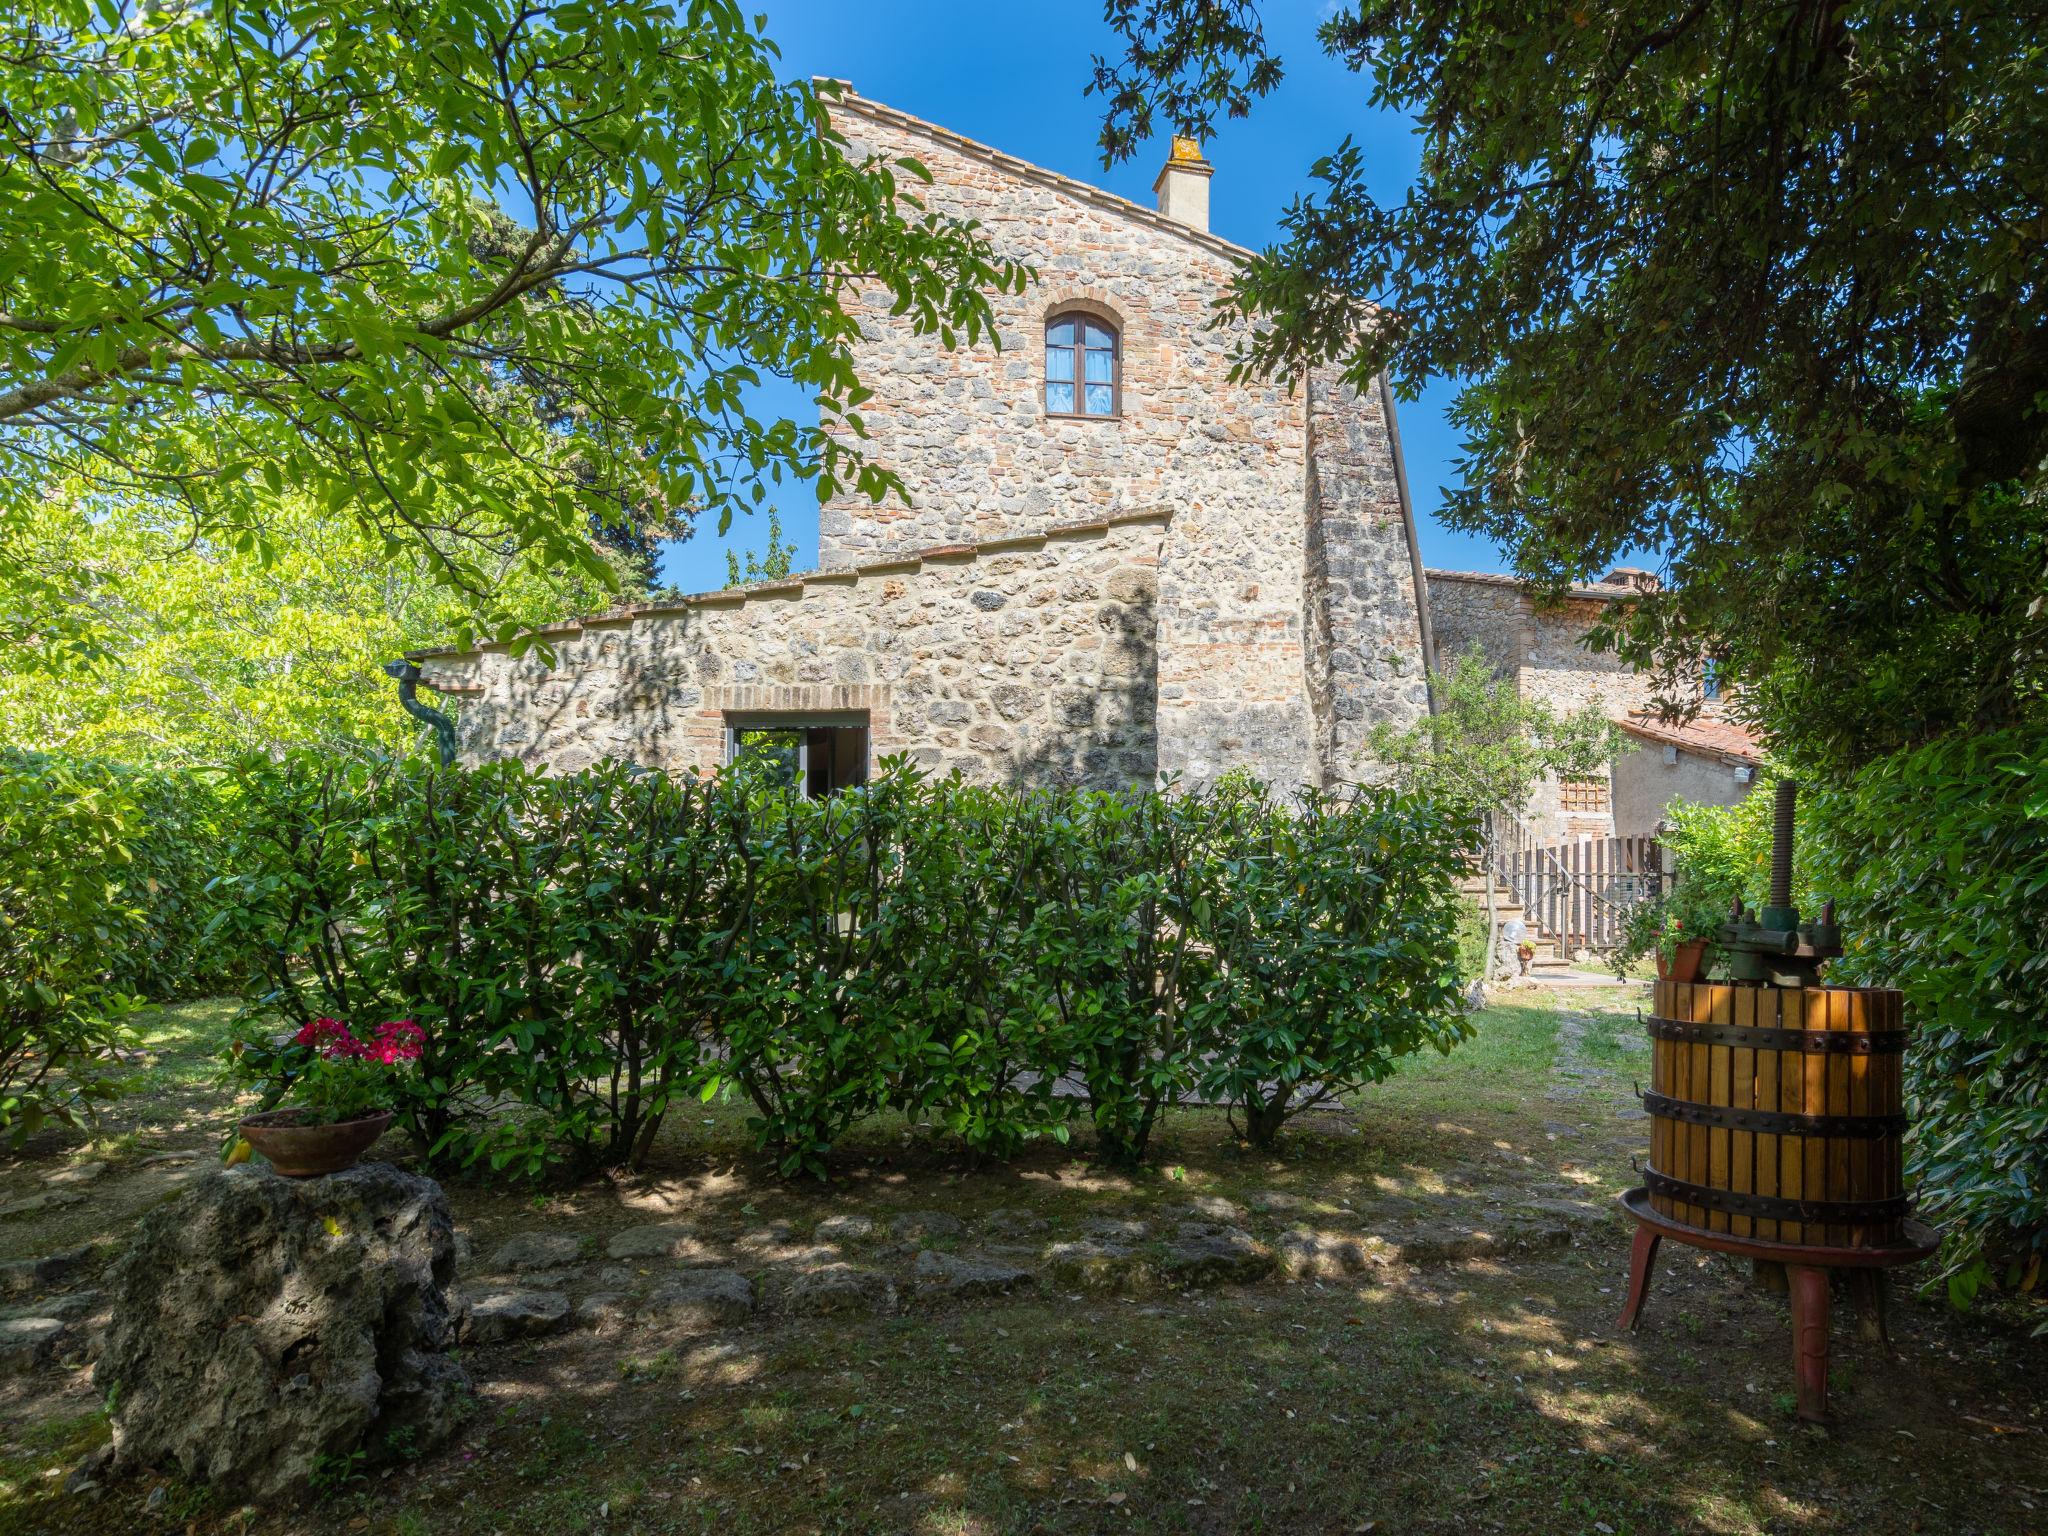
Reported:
(1684, 964)
(301, 1151)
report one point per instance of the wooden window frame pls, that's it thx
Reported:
(800, 724)
(1080, 350)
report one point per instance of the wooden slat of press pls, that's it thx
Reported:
(1720, 1067)
(1699, 1009)
(1678, 1147)
(1792, 1095)
(1660, 1128)
(1862, 1150)
(1719, 1064)
(1765, 1010)
(1690, 1078)
(1823, 1090)
(1680, 1077)
(1843, 1015)
(1742, 1095)
(1895, 1103)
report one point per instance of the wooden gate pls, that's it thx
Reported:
(1579, 891)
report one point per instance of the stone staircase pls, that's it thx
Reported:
(1549, 961)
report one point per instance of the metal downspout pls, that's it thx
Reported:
(1414, 545)
(407, 673)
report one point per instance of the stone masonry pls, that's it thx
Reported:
(1254, 561)
(1027, 659)
(1218, 575)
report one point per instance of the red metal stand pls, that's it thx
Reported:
(1806, 1269)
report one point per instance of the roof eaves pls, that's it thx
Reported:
(845, 96)
(1685, 740)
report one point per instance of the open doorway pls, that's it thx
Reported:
(821, 755)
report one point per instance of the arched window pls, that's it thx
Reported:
(1081, 372)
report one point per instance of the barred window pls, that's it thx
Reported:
(1582, 794)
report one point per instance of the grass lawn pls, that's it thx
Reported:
(1468, 1379)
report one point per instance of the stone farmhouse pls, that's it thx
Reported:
(1114, 565)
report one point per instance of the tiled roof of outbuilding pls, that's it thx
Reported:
(1724, 739)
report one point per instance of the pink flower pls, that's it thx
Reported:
(330, 1037)
(398, 1040)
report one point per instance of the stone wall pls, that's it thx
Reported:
(1645, 784)
(1493, 613)
(1544, 651)
(1024, 660)
(1364, 633)
(968, 433)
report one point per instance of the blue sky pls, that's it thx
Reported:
(1013, 76)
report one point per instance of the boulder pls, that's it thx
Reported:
(1091, 1264)
(940, 1276)
(1224, 1257)
(919, 1226)
(845, 1229)
(1215, 1210)
(25, 1277)
(28, 1342)
(701, 1301)
(1008, 1221)
(662, 1240)
(838, 1288)
(538, 1250)
(263, 1327)
(1308, 1254)
(507, 1315)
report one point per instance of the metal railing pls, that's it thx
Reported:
(1576, 891)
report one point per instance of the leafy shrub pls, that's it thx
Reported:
(1113, 955)
(646, 909)
(1939, 859)
(1334, 931)
(68, 921)
(985, 1048)
(543, 930)
(379, 890)
(813, 993)
(581, 950)
(171, 845)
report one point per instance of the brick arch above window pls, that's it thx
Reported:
(1087, 301)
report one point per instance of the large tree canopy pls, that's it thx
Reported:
(212, 651)
(1756, 282)
(469, 272)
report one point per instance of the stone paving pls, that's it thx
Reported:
(676, 1279)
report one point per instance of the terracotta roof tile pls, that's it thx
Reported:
(1714, 738)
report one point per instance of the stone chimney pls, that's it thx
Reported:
(1183, 184)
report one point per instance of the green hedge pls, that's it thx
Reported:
(1939, 859)
(587, 950)
(105, 900)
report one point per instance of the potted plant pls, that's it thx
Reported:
(340, 1091)
(1675, 929)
